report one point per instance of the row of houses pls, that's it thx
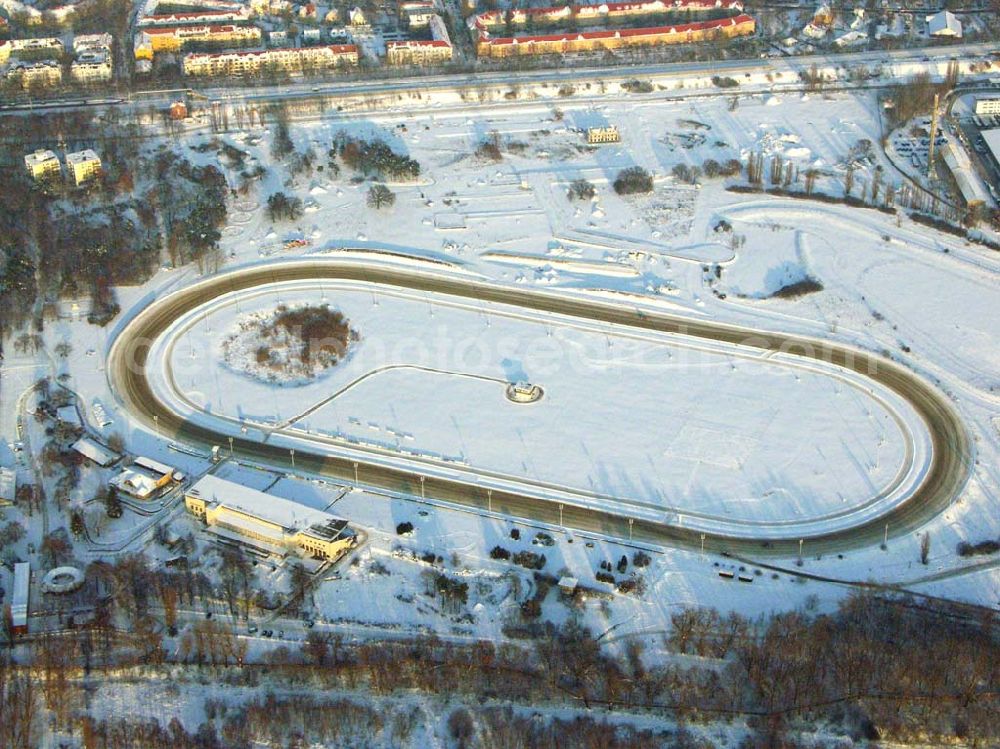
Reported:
(201, 17)
(37, 62)
(602, 13)
(589, 41)
(289, 60)
(153, 40)
(81, 166)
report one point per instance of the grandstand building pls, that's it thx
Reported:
(270, 525)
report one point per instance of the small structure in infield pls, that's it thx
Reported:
(523, 392)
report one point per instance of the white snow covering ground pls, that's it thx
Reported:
(648, 419)
(670, 423)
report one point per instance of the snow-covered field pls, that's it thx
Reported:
(670, 423)
(628, 417)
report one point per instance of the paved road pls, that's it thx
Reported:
(949, 469)
(369, 84)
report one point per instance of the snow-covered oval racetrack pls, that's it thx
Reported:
(926, 492)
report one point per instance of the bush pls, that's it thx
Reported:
(640, 559)
(489, 150)
(605, 577)
(515, 533)
(635, 86)
(685, 173)
(529, 560)
(724, 81)
(731, 168)
(633, 180)
(628, 586)
(280, 207)
(581, 189)
(403, 528)
(966, 549)
(499, 552)
(531, 609)
(376, 158)
(543, 539)
(622, 564)
(797, 289)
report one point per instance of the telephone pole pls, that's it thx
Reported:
(934, 130)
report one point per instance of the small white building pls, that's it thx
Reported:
(19, 601)
(944, 24)
(83, 166)
(568, 585)
(95, 451)
(851, 39)
(8, 486)
(973, 191)
(356, 17)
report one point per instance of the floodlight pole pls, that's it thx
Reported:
(292, 453)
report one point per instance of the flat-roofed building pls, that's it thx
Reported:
(970, 185)
(597, 135)
(84, 42)
(8, 486)
(42, 164)
(417, 52)
(289, 59)
(988, 105)
(83, 166)
(992, 139)
(272, 525)
(19, 600)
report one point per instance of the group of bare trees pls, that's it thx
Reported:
(895, 668)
